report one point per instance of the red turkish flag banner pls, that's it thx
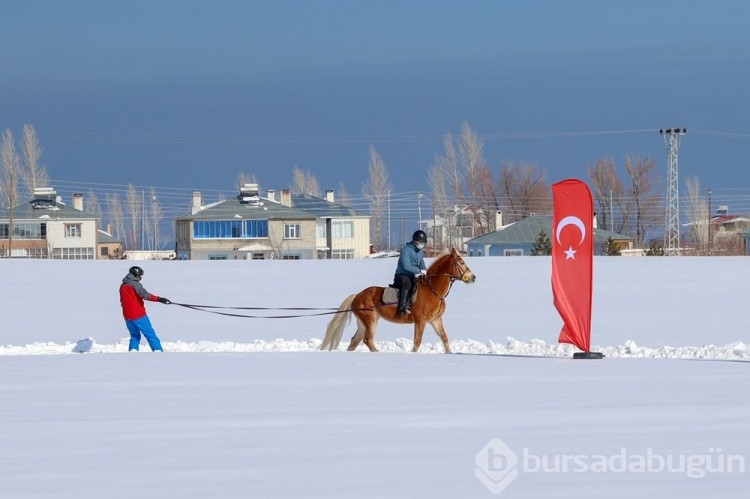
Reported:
(573, 259)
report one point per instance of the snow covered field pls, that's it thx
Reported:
(249, 408)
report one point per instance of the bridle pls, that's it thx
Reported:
(427, 279)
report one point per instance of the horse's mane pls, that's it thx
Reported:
(440, 262)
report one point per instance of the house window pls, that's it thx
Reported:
(73, 253)
(104, 251)
(256, 228)
(290, 257)
(513, 252)
(24, 230)
(217, 257)
(72, 230)
(342, 254)
(340, 230)
(320, 230)
(230, 229)
(291, 231)
(258, 256)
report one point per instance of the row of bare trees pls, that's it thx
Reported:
(460, 178)
(21, 172)
(136, 219)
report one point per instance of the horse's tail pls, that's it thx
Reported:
(337, 324)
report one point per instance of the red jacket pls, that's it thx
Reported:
(132, 294)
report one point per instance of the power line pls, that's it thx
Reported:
(225, 139)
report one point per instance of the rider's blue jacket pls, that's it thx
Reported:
(410, 261)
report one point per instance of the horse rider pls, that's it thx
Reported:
(410, 266)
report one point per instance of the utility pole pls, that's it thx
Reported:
(143, 220)
(419, 201)
(153, 213)
(434, 227)
(672, 221)
(389, 220)
(709, 221)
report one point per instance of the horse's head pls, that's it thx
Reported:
(460, 270)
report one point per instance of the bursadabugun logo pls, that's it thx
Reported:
(496, 465)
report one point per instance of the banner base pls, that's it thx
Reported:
(588, 355)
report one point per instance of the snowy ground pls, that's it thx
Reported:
(249, 408)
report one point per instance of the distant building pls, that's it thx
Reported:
(108, 247)
(46, 228)
(250, 227)
(341, 233)
(518, 238)
(246, 227)
(729, 233)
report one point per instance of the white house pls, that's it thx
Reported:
(46, 228)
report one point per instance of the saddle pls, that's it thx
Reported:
(390, 295)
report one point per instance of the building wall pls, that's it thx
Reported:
(57, 244)
(57, 238)
(274, 246)
(359, 242)
(106, 251)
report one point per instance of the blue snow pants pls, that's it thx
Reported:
(143, 325)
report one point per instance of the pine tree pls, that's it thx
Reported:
(656, 249)
(610, 248)
(542, 246)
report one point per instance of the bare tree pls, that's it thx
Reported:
(449, 165)
(33, 173)
(376, 190)
(645, 200)
(697, 214)
(524, 190)
(93, 207)
(304, 182)
(343, 197)
(245, 178)
(155, 216)
(11, 170)
(607, 188)
(133, 203)
(470, 150)
(116, 218)
(478, 178)
(486, 197)
(436, 180)
(446, 183)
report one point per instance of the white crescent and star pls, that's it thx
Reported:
(570, 220)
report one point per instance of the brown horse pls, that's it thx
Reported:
(429, 307)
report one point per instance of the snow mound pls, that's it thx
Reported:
(737, 351)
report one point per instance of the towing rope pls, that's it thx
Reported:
(212, 309)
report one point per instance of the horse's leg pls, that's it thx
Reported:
(371, 323)
(437, 325)
(358, 335)
(418, 332)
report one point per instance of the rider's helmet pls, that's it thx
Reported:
(419, 237)
(136, 271)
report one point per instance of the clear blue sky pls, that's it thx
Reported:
(189, 93)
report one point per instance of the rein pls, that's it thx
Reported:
(218, 310)
(211, 309)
